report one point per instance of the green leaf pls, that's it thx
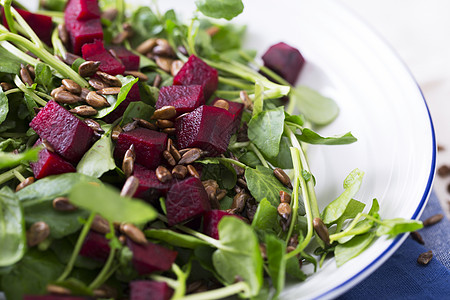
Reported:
(12, 228)
(266, 218)
(10, 63)
(99, 158)
(284, 159)
(276, 261)
(311, 137)
(354, 247)
(354, 207)
(227, 9)
(10, 159)
(4, 106)
(43, 76)
(127, 84)
(265, 130)
(63, 249)
(263, 184)
(337, 207)
(396, 226)
(137, 110)
(293, 269)
(174, 238)
(106, 201)
(145, 24)
(239, 254)
(259, 98)
(295, 119)
(227, 38)
(221, 171)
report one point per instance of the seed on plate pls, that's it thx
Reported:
(146, 46)
(88, 68)
(176, 66)
(128, 166)
(285, 197)
(183, 151)
(6, 86)
(70, 58)
(63, 204)
(433, 220)
(246, 100)
(84, 111)
(240, 200)
(321, 230)
(71, 86)
(26, 182)
(443, 171)
(109, 79)
(66, 97)
(130, 152)
(116, 132)
(213, 30)
(417, 237)
(55, 91)
(109, 14)
(97, 83)
(284, 210)
(164, 63)
(109, 91)
(169, 158)
(193, 171)
(145, 124)
(130, 187)
(163, 174)
(157, 81)
(122, 239)
(282, 177)
(190, 156)
(164, 113)
(63, 34)
(57, 289)
(242, 183)
(221, 194)
(425, 258)
(133, 233)
(169, 131)
(137, 74)
(179, 172)
(100, 225)
(26, 76)
(163, 48)
(164, 123)
(222, 104)
(196, 287)
(96, 100)
(94, 125)
(37, 233)
(121, 37)
(105, 292)
(175, 153)
(47, 145)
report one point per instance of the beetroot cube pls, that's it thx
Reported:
(128, 58)
(184, 98)
(284, 60)
(82, 32)
(148, 145)
(149, 185)
(133, 96)
(41, 25)
(147, 289)
(185, 200)
(50, 163)
(236, 109)
(151, 257)
(96, 51)
(83, 9)
(210, 221)
(95, 246)
(68, 135)
(196, 71)
(208, 128)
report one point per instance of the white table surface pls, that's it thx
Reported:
(419, 31)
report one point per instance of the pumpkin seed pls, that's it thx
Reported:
(130, 187)
(282, 177)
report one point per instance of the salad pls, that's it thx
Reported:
(147, 158)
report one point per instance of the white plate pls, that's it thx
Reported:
(380, 103)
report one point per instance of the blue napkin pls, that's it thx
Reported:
(401, 277)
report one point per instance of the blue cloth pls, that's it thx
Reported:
(401, 277)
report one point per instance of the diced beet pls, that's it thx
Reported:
(55, 297)
(208, 128)
(183, 98)
(149, 185)
(82, 32)
(95, 246)
(68, 135)
(196, 71)
(128, 58)
(147, 289)
(148, 146)
(83, 9)
(41, 25)
(185, 200)
(96, 51)
(284, 60)
(133, 96)
(210, 221)
(50, 163)
(151, 257)
(236, 109)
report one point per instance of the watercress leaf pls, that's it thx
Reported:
(44, 76)
(265, 219)
(127, 84)
(276, 262)
(145, 24)
(353, 208)
(63, 249)
(10, 63)
(99, 158)
(221, 171)
(228, 37)
(265, 130)
(293, 270)
(11, 159)
(30, 104)
(137, 110)
(248, 158)
(149, 94)
(336, 208)
(263, 184)
(106, 201)
(295, 119)
(284, 159)
(239, 254)
(354, 247)
(236, 55)
(316, 108)
(311, 137)
(12, 228)
(4, 106)
(174, 238)
(227, 9)
(393, 227)
(226, 203)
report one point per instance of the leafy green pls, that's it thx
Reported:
(311, 137)
(106, 201)
(266, 218)
(265, 130)
(276, 262)
(283, 160)
(145, 24)
(354, 247)
(227, 38)
(227, 9)
(221, 171)
(11, 159)
(137, 110)
(63, 249)
(293, 269)
(10, 63)
(354, 207)
(4, 106)
(174, 238)
(127, 84)
(393, 227)
(44, 76)
(12, 228)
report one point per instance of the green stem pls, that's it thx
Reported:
(221, 292)
(8, 175)
(51, 13)
(19, 53)
(27, 29)
(58, 46)
(12, 91)
(170, 282)
(8, 16)
(226, 94)
(180, 289)
(25, 90)
(44, 95)
(236, 83)
(232, 161)
(239, 145)
(78, 245)
(295, 192)
(19, 176)
(259, 155)
(191, 37)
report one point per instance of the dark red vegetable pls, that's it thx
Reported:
(132, 96)
(236, 109)
(128, 58)
(68, 135)
(185, 200)
(146, 289)
(97, 52)
(148, 145)
(183, 98)
(149, 186)
(284, 60)
(50, 163)
(207, 127)
(83, 9)
(196, 71)
(95, 246)
(210, 221)
(151, 257)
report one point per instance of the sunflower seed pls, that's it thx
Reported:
(284, 210)
(57, 90)
(31, 70)
(88, 68)
(169, 158)
(70, 58)
(47, 145)
(157, 81)
(183, 151)
(133, 233)
(128, 166)
(66, 97)
(130, 126)
(84, 111)
(63, 34)
(213, 30)
(130, 187)
(425, 258)
(221, 194)
(179, 172)
(94, 125)
(130, 152)
(109, 14)
(285, 197)
(121, 37)
(163, 174)
(57, 289)
(164, 113)
(37, 233)
(239, 201)
(137, 74)
(176, 155)
(169, 131)
(242, 183)
(63, 204)
(163, 48)
(164, 63)
(71, 86)
(222, 104)
(116, 132)
(6, 86)
(26, 182)
(100, 225)
(96, 100)
(282, 177)
(190, 156)
(145, 124)
(175, 67)
(193, 171)
(417, 237)
(109, 79)
(321, 230)
(25, 76)
(97, 84)
(164, 123)
(246, 100)
(146, 46)
(433, 220)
